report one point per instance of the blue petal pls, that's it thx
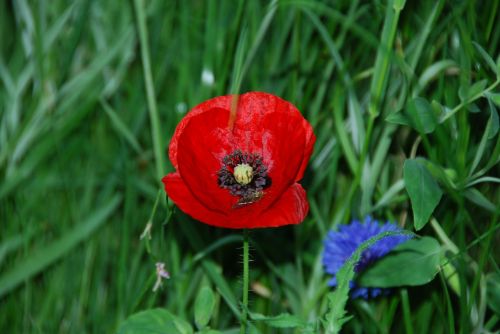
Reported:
(341, 244)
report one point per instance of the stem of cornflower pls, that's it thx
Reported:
(244, 302)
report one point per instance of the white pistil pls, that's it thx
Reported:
(243, 174)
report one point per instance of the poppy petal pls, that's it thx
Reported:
(310, 140)
(205, 141)
(264, 125)
(275, 129)
(291, 208)
(180, 194)
(223, 102)
(283, 148)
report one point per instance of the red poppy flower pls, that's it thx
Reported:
(242, 175)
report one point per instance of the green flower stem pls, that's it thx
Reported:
(244, 313)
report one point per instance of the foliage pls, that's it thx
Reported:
(90, 94)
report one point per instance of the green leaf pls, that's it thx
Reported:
(204, 306)
(399, 5)
(473, 108)
(414, 262)
(154, 321)
(477, 197)
(433, 71)
(284, 320)
(398, 117)
(493, 292)
(418, 114)
(421, 115)
(494, 97)
(437, 108)
(208, 331)
(466, 93)
(423, 190)
(487, 58)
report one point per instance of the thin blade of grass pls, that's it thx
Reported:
(39, 260)
(150, 89)
(381, 69)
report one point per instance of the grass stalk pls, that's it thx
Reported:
(150, 89)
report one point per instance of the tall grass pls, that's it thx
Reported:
(91, 92)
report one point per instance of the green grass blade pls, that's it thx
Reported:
(238, 62)
(121, 127)
(381, 69)
(51, 253)
(150, 89)
(424, 35)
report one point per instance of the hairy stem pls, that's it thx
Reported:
(244, 313)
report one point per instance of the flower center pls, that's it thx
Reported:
(244, 175)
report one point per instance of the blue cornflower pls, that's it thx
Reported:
(341, 244)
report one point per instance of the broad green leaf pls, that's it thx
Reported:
(398, 117)
(414, 262)
(418, 114)
(204, 306)
(446, 176)
(154, 321)
(466, 93)
(423, 190)
(284, 320)
(421, 115)
(493, 292)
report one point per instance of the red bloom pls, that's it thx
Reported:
(244, 177)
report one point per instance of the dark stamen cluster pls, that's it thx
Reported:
(259, 181)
